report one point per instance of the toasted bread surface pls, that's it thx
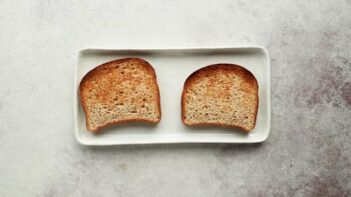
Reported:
(220, 95)
(120, 91)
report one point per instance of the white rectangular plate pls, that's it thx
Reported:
(172, 67)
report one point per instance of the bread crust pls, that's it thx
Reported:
(205, 71)
(98, 71)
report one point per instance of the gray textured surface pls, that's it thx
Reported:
(307, 154)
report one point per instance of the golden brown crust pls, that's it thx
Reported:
(118, 122)
(204, 72)
(98, 71)
(206, 124)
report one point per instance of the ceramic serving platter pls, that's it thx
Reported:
(172, 67)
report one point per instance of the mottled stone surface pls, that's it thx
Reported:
(308, 152)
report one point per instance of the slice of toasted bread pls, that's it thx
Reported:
(119, 91)
(220, 95)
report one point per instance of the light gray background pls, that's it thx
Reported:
(307, 153)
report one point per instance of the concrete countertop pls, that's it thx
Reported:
(308, 152)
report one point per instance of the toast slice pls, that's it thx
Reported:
(220, 95)
(120, 91)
